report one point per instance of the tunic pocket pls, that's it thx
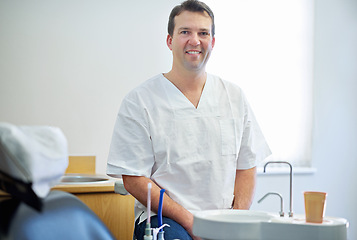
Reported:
(228, 136)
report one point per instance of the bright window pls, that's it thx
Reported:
(266, 48)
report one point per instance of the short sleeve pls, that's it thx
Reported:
(131, 149)
(254, 147)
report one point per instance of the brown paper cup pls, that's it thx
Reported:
(314, 206)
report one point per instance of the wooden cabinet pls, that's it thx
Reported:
(115, 210)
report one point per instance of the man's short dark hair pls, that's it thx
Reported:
(192, 6)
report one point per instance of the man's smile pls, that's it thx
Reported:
(193, 52)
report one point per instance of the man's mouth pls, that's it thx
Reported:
(193, 52)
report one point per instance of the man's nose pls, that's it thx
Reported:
(194, 40)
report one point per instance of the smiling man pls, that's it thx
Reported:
(191, 42)
(188, 132)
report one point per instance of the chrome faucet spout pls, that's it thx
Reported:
(281, 213)
(291, 214)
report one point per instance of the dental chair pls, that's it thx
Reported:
(32, 160)
(63, 216)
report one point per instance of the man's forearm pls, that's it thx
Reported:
(244, 188)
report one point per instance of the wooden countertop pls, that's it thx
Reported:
(86, 188)
(106, 187)
(79, 188)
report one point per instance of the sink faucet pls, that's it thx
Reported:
(281, 213)
(291, 183)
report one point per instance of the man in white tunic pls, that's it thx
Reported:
(188, 132)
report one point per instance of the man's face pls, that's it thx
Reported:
(192, 41)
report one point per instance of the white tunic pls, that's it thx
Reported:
(192, 153)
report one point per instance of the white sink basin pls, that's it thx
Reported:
(82, 179)
(250, 225)
(229, 224)
(297, 228)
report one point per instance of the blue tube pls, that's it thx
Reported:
(160, 208)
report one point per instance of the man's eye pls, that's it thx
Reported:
(204, 33)
(184, 32)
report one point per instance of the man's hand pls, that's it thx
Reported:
(137, 187)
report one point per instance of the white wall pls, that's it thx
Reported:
(69, 64)
(335, 141)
